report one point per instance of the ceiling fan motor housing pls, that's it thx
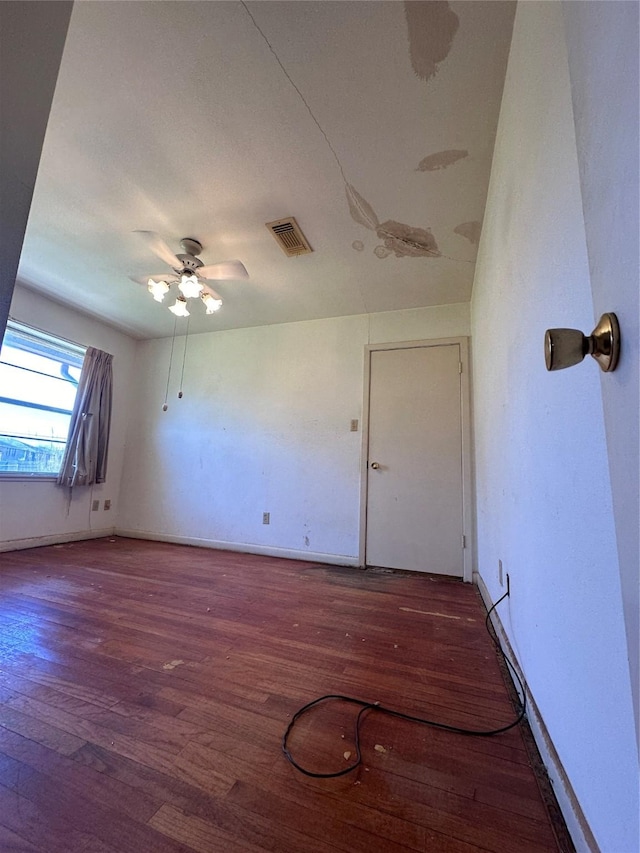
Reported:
(191, 246)
(189, 262)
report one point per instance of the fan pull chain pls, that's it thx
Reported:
(184, 357)
(165, 405)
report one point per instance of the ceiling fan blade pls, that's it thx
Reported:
(224, 271)
(144, 279)
(159, 247)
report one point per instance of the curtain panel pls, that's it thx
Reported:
(85, 456)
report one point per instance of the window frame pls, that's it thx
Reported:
(47, 345)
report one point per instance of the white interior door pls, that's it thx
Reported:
(414, 514)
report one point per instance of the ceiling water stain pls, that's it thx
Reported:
(470, 230)
(440, 160)
(431, 29)
(403, 240)
(431, 26)
(407, 242)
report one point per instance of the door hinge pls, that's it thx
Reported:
(464, 541)
(459, 367)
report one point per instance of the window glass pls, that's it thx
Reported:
(38, 382)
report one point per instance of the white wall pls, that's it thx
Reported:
(263, 427)
(544, 503)
(33, 513)
(602, 41)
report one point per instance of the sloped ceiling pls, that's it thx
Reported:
(371, 122)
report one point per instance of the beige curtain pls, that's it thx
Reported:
(85, 456)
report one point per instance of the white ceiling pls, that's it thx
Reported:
(176, 117)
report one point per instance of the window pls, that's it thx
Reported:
(38, 382)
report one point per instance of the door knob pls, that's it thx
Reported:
(375, 465)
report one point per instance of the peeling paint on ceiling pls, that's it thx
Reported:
(360, 209)
(403, 240)
(407, 242)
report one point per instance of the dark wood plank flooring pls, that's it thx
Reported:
(145, 688)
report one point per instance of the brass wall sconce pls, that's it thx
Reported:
(566, 347)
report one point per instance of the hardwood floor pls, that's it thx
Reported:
(145, 688)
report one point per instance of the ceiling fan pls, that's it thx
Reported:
(189, 273)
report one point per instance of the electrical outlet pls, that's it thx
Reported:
(500, 576)
(354, 425)
(95, 506)
(107, 504)
(266, 518)
(508, 585)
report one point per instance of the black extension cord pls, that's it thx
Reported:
(376, 706)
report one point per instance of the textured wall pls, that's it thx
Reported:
(544, 502)
(602, 41)
(263, 427)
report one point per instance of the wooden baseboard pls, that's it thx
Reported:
(565, 796)
(242, 547)
(55, 539)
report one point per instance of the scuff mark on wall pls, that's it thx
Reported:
(470, 230)
(407, 242)
(431, 29)
(441, 159)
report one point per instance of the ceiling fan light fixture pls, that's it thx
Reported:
(158, 289)
(189, 274)
(179, 308)
(189, 286)
(211, 303)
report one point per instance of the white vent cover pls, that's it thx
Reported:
(289, 237)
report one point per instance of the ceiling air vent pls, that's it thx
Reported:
(289, 237)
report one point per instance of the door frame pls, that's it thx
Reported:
(468, 526)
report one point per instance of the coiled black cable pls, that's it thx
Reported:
(376, 706)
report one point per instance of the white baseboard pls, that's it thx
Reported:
(54, 539)
(574, 818)
(242, 547)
